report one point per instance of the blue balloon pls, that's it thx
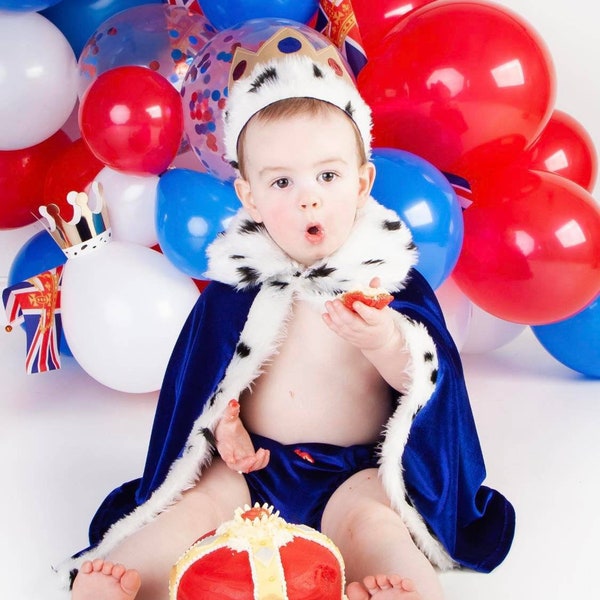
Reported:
(226, 13)
(79, 19)
(191, 209)
(26, 5)
(38, 254)
(426, 202)
(575, 341)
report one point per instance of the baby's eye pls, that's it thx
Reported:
(328, 176)
(281, 183)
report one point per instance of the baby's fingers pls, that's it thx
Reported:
(257, 461)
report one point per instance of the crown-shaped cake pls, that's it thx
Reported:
(87, 230)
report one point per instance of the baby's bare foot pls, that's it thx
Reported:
(383, 587)
(103, 580)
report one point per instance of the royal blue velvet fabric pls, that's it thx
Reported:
(442, 463)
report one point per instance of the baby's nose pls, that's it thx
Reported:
(310, 201)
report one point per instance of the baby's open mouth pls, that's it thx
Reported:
(314, 232)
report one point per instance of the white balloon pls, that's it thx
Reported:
(131, 204)
(487, 332)
(38, 79)
(457, 310)
(123, 306)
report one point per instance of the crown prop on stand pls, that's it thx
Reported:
(87, 230)
(288, 65)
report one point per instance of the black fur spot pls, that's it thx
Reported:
(411, 246)
(317, 72)
(349, 110)
(428, 356)
(242, 350)
(236, 256)
(322, 271)
(209, 436)
(248, 226)
(269, 74)
(408, 500)
(434, 375)
(72, 575)
(279, 284)
(391, 225)
(417, 412)
(248, 275)
(374, 261)
(235, 164)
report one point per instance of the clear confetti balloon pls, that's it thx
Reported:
(160, 37)
(204, 89)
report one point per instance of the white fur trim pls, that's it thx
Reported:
(397, 431)
(295, 79)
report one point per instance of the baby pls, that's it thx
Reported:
(354, 420)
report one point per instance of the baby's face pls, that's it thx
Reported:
(304, 182)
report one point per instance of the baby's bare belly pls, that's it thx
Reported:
(318, 388)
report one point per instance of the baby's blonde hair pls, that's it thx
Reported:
(292, 107)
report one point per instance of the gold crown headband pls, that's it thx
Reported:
(88, 229)
(287, 65)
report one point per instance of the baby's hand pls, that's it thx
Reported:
(365, 327)
(234, 444)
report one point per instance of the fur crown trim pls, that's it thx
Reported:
(288, 66)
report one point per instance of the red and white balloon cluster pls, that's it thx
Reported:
(466, 88)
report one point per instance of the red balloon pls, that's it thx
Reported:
(531, 249)
(564, 147)
(73, 169)
(132, 120)
(376, 19)
(465, 85)
(22, 174)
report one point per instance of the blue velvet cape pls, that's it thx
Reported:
(442, 462)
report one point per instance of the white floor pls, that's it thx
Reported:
(66, 440)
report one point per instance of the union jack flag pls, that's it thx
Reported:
(337, 21)
(191, 5)
(462, 189)
(36, 302)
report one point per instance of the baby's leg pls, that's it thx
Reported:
(381, 558)
(152, 550)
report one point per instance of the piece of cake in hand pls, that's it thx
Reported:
(376, 297)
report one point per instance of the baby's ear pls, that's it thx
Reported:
(244, 193)
(366, 178)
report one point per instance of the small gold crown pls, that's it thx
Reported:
(88, 229)
(283, 43)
